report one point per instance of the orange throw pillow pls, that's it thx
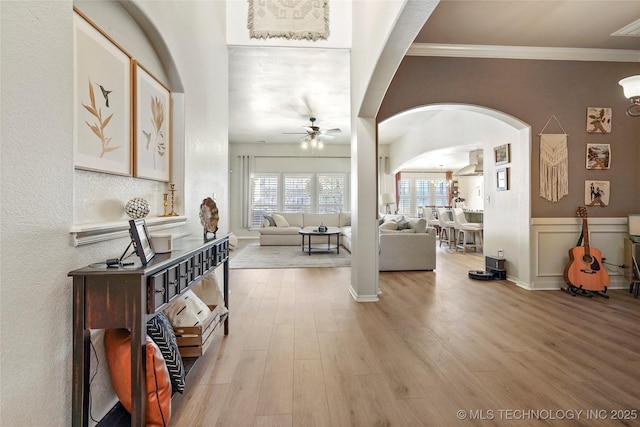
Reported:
(117, 343)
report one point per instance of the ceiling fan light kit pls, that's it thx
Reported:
(313, 135)
(631, 89)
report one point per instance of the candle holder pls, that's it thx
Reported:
(165, 204)
(173, 200)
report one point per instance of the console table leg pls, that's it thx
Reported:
(226, 294)
(81, 359)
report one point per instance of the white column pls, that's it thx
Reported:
(364, 208)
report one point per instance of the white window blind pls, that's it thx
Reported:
(297, 193)
(404, 202)
(331, 192)
(422, 192)
(264, 197)
(442, 192)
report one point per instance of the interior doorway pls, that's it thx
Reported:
(426, 131)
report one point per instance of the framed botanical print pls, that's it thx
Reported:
(598, 120)
(152, 129)
(502, 179)
(598, 156)
(102, 100)
(501, 154)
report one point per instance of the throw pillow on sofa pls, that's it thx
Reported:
(270, 220)
(418, 224)
(403, 224)
(280, 220)
(389, 225)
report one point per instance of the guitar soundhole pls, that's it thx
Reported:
(587, 259)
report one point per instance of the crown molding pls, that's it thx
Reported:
(523, 52)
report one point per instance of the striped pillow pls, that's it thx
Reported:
(161, 332)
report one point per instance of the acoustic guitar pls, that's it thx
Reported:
(585, 270)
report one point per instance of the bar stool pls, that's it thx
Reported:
(468, 230)
(447, 228)
(432, 221)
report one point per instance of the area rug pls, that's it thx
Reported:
(292, 20)
(256, 256)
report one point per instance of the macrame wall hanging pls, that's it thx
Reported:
(554, 164)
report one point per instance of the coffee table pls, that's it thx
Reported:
(331, 231)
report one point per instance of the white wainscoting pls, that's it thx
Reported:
(552, 238)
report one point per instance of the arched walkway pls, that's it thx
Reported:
(506, 213)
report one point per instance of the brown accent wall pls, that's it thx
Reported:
(532, 91)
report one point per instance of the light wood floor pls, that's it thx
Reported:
(302, 353)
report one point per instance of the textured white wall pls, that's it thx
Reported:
(37, 185)
(195, 35)
(37, 179)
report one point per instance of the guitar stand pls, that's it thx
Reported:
(577, 290)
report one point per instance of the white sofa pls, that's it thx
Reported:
(288, 234)
(410, 248)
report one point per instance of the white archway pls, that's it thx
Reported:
(506, 213)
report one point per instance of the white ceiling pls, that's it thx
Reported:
(275, 90)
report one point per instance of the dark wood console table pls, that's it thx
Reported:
(127, 297)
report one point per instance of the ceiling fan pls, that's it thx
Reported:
(313, 135)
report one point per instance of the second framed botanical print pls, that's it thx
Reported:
(152, 127)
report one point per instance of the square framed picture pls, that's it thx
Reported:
(501, 154)
(102, 100)
(152, 126)
(141, 240)
(597, 193)
(599, 120)
(598, 156)
(502, 179)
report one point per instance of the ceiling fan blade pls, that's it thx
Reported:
(294, 133)
(326, 136)
(334, 130)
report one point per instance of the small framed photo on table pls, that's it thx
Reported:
(141, 240)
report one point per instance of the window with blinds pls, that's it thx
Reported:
(297, 193)
(331, 192)
(422, 193)
(264, 197)
(442, 192)
(404, 193)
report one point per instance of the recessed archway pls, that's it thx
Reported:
(429, 128)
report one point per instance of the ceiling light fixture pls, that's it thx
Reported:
(313, 141)
(631, 88)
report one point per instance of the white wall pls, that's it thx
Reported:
(37, 178)
(552, 238)
(471, 189)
